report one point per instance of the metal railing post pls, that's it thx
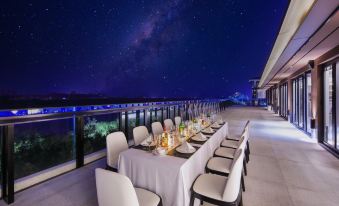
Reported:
(79, 141)
(8, 163)
(126, 125)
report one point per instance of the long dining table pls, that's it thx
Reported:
(169, 176)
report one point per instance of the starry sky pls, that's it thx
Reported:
(136, 48)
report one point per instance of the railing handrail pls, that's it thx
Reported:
(29, 118)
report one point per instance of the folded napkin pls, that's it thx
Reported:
(186, 147)
(215, 125)
(202, 136)
(209, 129)
(145, 143)
(161, 151)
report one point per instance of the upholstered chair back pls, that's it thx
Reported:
(233, 184)
(140, 134)
(115, 143)
(157, 128)
(168, 123)
(114, 189)
(177, 121)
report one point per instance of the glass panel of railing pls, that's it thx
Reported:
(1, 136)
(172, 112)
(164, 112)
(96, 129)
(148, 121)
(153, 113)
(42, 145)
(159, 115)
(142, 118)
(122, 126)
(176, 111)
(131, 124)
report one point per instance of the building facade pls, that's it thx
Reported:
(300, 77)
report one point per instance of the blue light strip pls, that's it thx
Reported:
(53, 110)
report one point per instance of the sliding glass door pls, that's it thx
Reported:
(299, 101)
(294, 103)
(329, 120)
(337, 105)
(308, 102)
(302, 101)
(283, 100)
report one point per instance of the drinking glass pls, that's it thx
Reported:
(149, 141)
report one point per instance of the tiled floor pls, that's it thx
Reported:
(286, 168)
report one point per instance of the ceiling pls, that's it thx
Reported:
(308, 31)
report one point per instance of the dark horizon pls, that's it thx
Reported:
(193, 49)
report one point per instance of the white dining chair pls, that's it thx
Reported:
(221, 165)
(232, 142)
(140, 134)
(177, 121)
(228, 152)
(114, 189)
(157, 128)
(220, 190)
(116, 143)
(168, 123)
(237, 137)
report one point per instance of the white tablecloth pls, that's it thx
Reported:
(168, 176)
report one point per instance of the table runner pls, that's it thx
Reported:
(169, 176)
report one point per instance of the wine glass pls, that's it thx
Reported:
(149, 141)
(173, 128)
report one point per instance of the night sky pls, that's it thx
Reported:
(178, 48)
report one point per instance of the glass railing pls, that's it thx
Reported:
(96, 128)
(41, 145)
(131, 125)
(47, 142)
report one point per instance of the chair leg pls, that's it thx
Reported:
(247, 155)
(201, 202)
(245, 168)
(248, 147)
(192, 199)
(160, 203)
(241, 203)
(243, 183)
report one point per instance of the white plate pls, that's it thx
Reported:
(198, 138)
(145, 144)
(216, 126)
(178, 149)
(207, 132)
(158, 154)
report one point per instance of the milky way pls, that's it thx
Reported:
(178, 48)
